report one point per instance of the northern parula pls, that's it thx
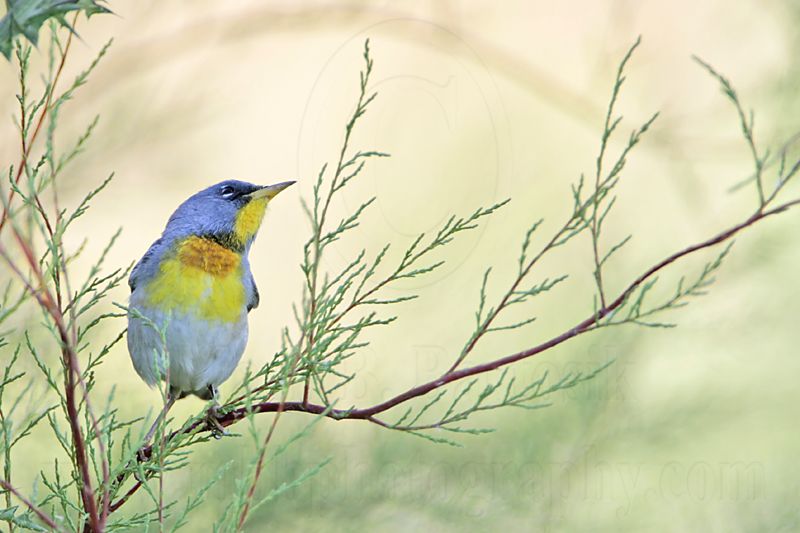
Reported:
(195, 285)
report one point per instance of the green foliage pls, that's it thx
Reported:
(25, 17)
(21, 520)
(503, 392)
(104, 461)
(761, 160)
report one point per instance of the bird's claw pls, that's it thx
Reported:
(213, 424)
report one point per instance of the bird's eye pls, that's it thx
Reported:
(227, 191)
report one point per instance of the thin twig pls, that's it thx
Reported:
(44, 517)
(26, 152)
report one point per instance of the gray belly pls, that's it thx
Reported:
(200, 352)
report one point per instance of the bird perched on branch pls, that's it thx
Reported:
(191, 293)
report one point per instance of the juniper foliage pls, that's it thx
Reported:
(102, 462)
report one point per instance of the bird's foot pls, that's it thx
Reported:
(213, 424)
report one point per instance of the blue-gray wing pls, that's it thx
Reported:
(144, 266)
(254, 298)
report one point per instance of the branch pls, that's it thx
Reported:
(23, 164)
(586, 325)
(370, 413)
(44, 517)
(71, 371)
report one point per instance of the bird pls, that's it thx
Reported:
(192, 291)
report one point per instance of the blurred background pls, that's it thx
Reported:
(693, 428)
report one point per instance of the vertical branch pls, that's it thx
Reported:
(37, 287)
(319, 217)
(45, 300)
(23, 164)
(167, 399)
(260, 462)
(609, 126)
(62, 285)
(5, 424)
(262, 453)
(6, 457)
(314, 250)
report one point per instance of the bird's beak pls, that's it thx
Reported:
(270, 191)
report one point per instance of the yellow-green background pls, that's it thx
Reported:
(693, 428)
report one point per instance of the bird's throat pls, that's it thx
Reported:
(249, 218)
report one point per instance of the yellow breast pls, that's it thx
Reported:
(203, 278)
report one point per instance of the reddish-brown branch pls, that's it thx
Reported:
(260, 464)
(580, 328)
(53, 306)
(71, 371)
(369, 413)
(44, 517)
(117, 504)
(263, 451)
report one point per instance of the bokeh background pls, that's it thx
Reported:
(693, 428)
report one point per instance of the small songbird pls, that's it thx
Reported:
(193, 289)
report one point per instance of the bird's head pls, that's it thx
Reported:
(229, 212)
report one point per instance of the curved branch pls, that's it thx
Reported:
(369, 413)
(582, 327)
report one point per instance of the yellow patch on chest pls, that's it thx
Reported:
(249, 218)
(202, 277)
